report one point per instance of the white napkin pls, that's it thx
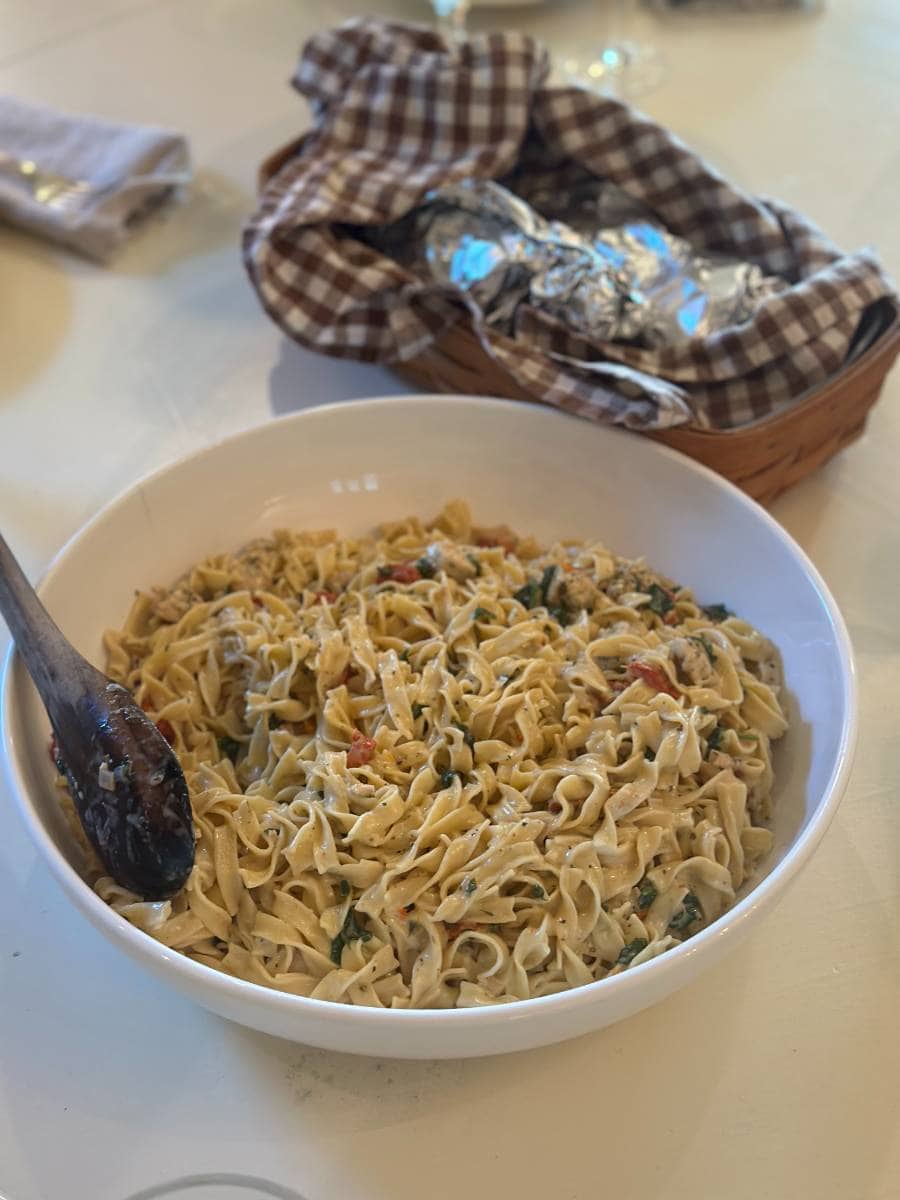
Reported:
(122, 171)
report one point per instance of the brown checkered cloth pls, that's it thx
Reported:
(397, 113)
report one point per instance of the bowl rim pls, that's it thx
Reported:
(198, 978)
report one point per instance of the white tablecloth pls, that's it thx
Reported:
(778, 1074)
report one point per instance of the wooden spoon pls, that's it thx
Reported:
(127, 785)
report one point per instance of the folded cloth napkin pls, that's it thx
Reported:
(397, 112)
(80, 180)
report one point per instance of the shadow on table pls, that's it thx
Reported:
(202, 218)
(302, 379)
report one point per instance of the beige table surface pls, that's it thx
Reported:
(776, 1075)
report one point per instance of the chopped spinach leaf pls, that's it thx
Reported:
(351, 931)
(529, 594)
(344, 888)
(660, 600)
(547, 582)
(649, 754)
(687, 915)
(469, 886)
(465, 731)
(384, 573)
(426, 567)
(646, 894)
(630, 951)
(562, 616)
(714, 740)
(537, 892)
(482, 614)
(228, 747)
(717, 612)
(475, 563)
(447, 778)
(703, 641)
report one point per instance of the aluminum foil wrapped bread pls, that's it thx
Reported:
(623, 279)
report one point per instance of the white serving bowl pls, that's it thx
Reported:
(352, 465)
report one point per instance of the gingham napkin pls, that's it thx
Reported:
(397, 112)
(116, 172)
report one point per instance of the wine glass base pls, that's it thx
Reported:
(624, 70)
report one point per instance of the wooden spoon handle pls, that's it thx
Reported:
(59, 672)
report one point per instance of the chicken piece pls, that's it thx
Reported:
(496, 535)
(577, 591)
(718, 761)
(454, 561)
(258, 565)
(625, 581)
(768, 669)
(170, 607)
(691, 661)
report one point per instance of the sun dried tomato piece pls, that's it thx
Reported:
(497, 535)
(167, 730)
(652, 676)
(361, 750)
(405, 573)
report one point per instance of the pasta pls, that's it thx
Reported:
(443, 767)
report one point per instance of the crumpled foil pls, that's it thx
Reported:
(593, 259)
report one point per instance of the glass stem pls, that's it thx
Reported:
(618, 22)
(452, 20)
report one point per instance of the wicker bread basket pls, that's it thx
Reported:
(764, 458)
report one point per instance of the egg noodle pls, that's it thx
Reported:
(444, 767)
